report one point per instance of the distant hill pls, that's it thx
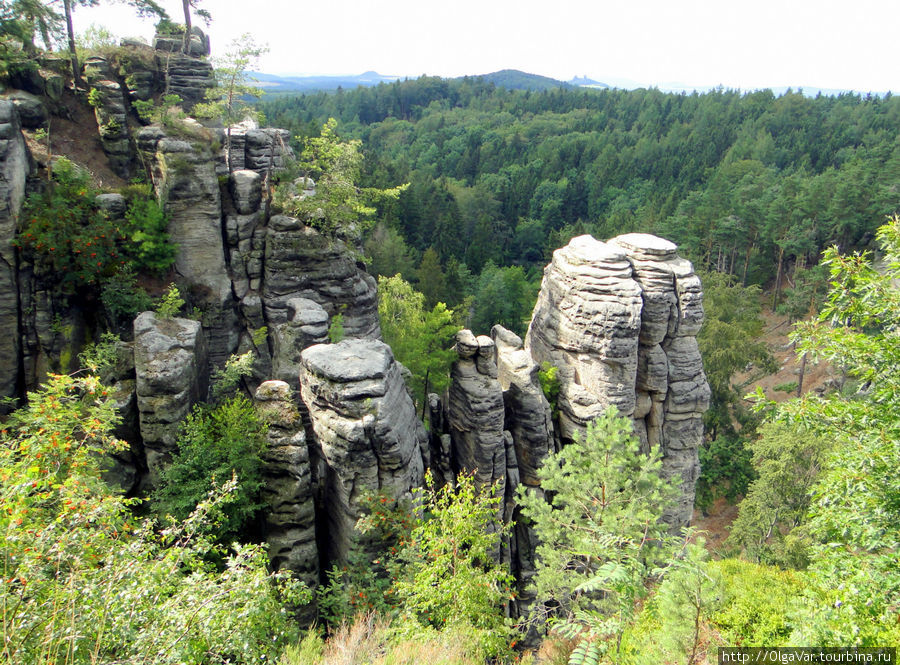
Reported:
(273, 83)
(585, 82)
(513, 79)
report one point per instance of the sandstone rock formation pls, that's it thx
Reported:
(171, 371)
(15, 165)
(183, 171)
(301, 262)
(109, 103)
(290, 518)
(620, 320)
(365, 431)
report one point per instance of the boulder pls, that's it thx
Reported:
(364, 428)
(32, 110)
(171, 373)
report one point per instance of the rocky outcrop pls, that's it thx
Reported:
(183, 171)
(185, 76)
(290, 518)
(108, 100)
(475, 411)
(15, 165)
(619, 320)
(32, 110)
(171, 372)
(586, 322)
(261, 150)
(306, 326)
(672, 392)
(198, 44)
(365, 431)
(301, 262)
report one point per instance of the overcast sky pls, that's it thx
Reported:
(744, 44)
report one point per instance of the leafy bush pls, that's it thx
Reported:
(450, 577)
(84, 583)
(145, 228)
(69, 240)
(550, 386)
(214, 445)
(170, 304)
(122, 298)
(364, 583)
(336, 328)
(726, 469)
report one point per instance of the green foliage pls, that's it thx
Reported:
(789, 387)
(69, 240)
(449, 576)
(672, 623)
(228, 380)
(336, 328)
(101, 355)
(854, 509)
(502, 296)
(806, 295)
(388, 254)
(599, 528)
(216, 443)
(364, 582)
(95, 98)
(756, 602)
(122, 298)
(339, 205)
(550, 385)
(84, 583)
(726, 469)
(420, 339)
(170, 304)
(145, 229)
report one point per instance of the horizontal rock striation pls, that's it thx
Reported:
(366, 434)
(171, 373)
(620, 321)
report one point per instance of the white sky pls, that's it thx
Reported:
(736, 43)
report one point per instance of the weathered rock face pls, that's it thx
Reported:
(475, 411)
(254, 149)
(290, 519)
(32, 110)
(198, 44)
(365, 431)
(300, 262)
(306, 326)
(586, 323)
(619, 319)
(15, 165)
(171, 372)
(109, 103)
(183, 171)
(186, 76)
(672, 392)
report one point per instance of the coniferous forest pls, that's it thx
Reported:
(250, 385)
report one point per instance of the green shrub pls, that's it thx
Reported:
(170, 304)
(69, 240)
(550, 385)
(336, 328)
(146, 225)
(101, 355)
(726, 469)
(755, 602)
(122, 298)
(84, 583)
(215, 444)
(789, 387)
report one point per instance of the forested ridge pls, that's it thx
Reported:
(743, 182)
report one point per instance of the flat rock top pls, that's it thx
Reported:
(646, 243)
(349, 360)
(590, 250)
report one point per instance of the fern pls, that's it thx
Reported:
(586, 653)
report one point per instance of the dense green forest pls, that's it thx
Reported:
(748, 184)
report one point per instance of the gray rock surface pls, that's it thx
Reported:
(183, 171)
(15, 166)
(306, 326)
(475, 411)
(586, 322)
(620, 320)
(366, 434)
(186, 76)
(300, 262)
(171, 372)
(290, 518)
(32, 110)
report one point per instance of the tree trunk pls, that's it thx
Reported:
(186, 45)
(802, 372)
(70, 31)
(778, 279)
